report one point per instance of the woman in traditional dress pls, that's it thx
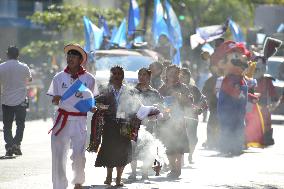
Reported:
(148, 96)
(173, 133)
(116, 148)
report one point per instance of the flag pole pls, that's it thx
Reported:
(147, 6)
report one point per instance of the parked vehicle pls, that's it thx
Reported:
(130, 59)
(275, 68)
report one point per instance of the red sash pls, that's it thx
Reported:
(65, 115)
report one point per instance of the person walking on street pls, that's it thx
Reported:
(211, 96)
(191, 119)
(72, 128)
(119, 118)
(178, 100)
(14, 77)
(148, 96)
(156, 70)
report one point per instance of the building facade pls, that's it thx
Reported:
(15, 28)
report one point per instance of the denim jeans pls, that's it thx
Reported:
(9, 113)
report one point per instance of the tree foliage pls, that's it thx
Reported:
(65, 22)
(198, 13)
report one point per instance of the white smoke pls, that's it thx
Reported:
(149, 148)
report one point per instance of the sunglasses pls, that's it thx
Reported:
(72, 56)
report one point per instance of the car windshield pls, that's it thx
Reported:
(274, 69)
(128, 62)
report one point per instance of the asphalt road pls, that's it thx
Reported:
(256, 168)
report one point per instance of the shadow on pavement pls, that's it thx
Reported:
(189, 167)
(7, 157)
(252, 152)
(102, 187)
(228, 155)
(247, 187)
(163, 179)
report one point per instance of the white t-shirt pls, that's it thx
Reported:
(62, 81)
(14, 77)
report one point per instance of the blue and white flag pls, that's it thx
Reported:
(280, 28)
(78, 97)
(207, 48)
(176, 59)
(133, 16)
(159, 25)
(195, 40)
(236, 31)
(174, 30)
(207, 34)
(103, 25)
(93, 35)
(210, 33)
(120, 35)
(173, 26)
(113, 33)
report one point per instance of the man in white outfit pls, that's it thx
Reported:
(70, 122)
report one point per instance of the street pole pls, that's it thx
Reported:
(148, 4)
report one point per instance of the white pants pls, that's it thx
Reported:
(76, 133)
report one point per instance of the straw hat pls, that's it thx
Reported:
(77, 47)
